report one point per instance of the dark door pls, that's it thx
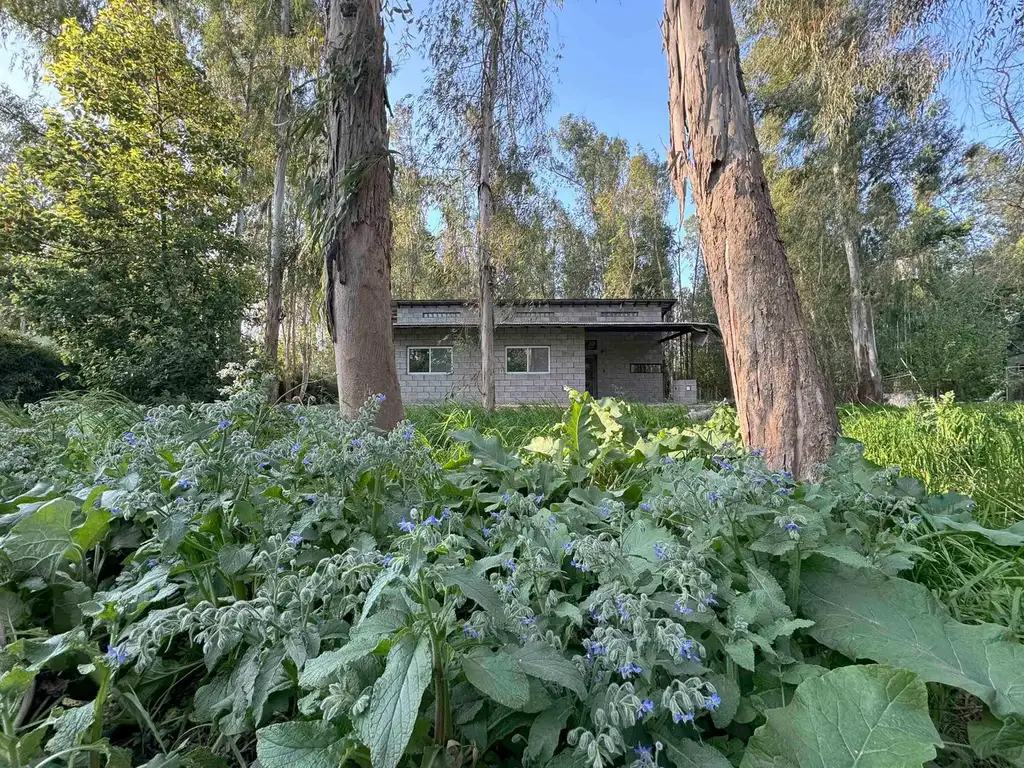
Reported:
(590, 369)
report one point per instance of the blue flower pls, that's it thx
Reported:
(381, 398)
(710, 600)
(660, 550)
(295, 539)
(280, 569)
(355, 442)
(642, 751)
(668, 460)
(686, 649)
(296, 447)
(552, 519)
(116, 511)
(528, 620)
(149, 418)
(487, 532)
(758, 452)
(713, 702)
(784, 491)
(409, 432)
(468, 631)
(721, 463)
(151, 562)
(645, 708)
(223, 424)
(623, 611)
(511, 565)
(263, 465)
(788, 475)
(714, 496)
(307, 460)
(496, 515)
(604, 511)
(129, 437)
(387, 560)
(407, 526)
(580, 565)
(682, 717)
(183, 484)
(540, 498)
(567, 547)
(432, 520)
(683, 609)
(117, 655)
(289, 407)
(596, 649)
(791, 526)
(446, 513)
(596, 617)
(759, 481)
(645, 506)
(506, 498)
(181, 500)
(628, 670)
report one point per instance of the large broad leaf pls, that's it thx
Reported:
(684, 753)
(547, 663)
(499, 676)
(361, 642)
(544, 732)
(994, 738)
(864, 716)
(477, 589)
(1005, 537)
(488, 452)
(300, 745)
(387, 724)
(70, 727)
(36, 544)
(865, 615)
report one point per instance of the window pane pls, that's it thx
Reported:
(538, 359)
(419, 360)
(515, 360)
(441, 360)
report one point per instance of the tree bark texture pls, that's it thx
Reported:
(358, 250)
(495, 18)
(862, 327)
(783, 400)
(275, 272)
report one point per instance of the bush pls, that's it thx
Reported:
(227, 582)
(29, 370)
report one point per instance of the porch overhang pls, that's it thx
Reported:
(673, 329)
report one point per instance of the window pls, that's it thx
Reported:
(430, 359)
(527, 359)
(620, 314)
(645, 367)
(440, 315)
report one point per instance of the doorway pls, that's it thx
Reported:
(590, 374)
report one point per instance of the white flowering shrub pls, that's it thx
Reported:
(228, 581)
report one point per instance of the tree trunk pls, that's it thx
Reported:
(495, 17)
(358, 252)
(862, 327)
(783, 400)
(275, 272)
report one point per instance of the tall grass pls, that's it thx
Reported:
(974, 449)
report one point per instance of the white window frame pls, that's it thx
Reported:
(528, 372)
(430, 361)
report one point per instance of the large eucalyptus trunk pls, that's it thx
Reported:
(862, 327)
(358, 251)
(495, 18)
(275, 271)
(783, 400)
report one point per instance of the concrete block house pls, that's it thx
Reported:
(608, 347)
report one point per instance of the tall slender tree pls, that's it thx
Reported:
(784, 402)
(358, 244)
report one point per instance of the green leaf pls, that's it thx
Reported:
(638, 544)
(498, 676)
(865, 615)
(92, 531)
(684, 753)
(488, 452)
(843, 555)
(764, 602)
(232, 558)
(38, 652)
(544, 732)
(300, 745)
(990, 738)
(547, 663)
(70, 726)
(363, 641)
(742, 652)
(1005, 537)
(729, 692)
(864, 716)
(477, 589)
(385, 578)
(36, 544)
(388, 722)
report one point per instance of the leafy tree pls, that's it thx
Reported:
(116, 218)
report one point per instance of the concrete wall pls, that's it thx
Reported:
(591, 314)
(616, 350)
(463, 384)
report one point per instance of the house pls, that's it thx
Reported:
(608, 347)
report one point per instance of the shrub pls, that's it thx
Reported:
(30, 369)
(230, 581)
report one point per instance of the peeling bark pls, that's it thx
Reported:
(358, 252)
(784, 402)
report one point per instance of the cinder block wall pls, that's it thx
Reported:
(463, 384)
(615, 351)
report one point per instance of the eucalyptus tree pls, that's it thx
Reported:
(357, 246)
(488, 63)
(784, 402)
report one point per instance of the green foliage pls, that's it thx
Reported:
(31, 370)
(116, 217)
(229, 581)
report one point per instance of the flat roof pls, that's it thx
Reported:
(677, 327)
(665, 303)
